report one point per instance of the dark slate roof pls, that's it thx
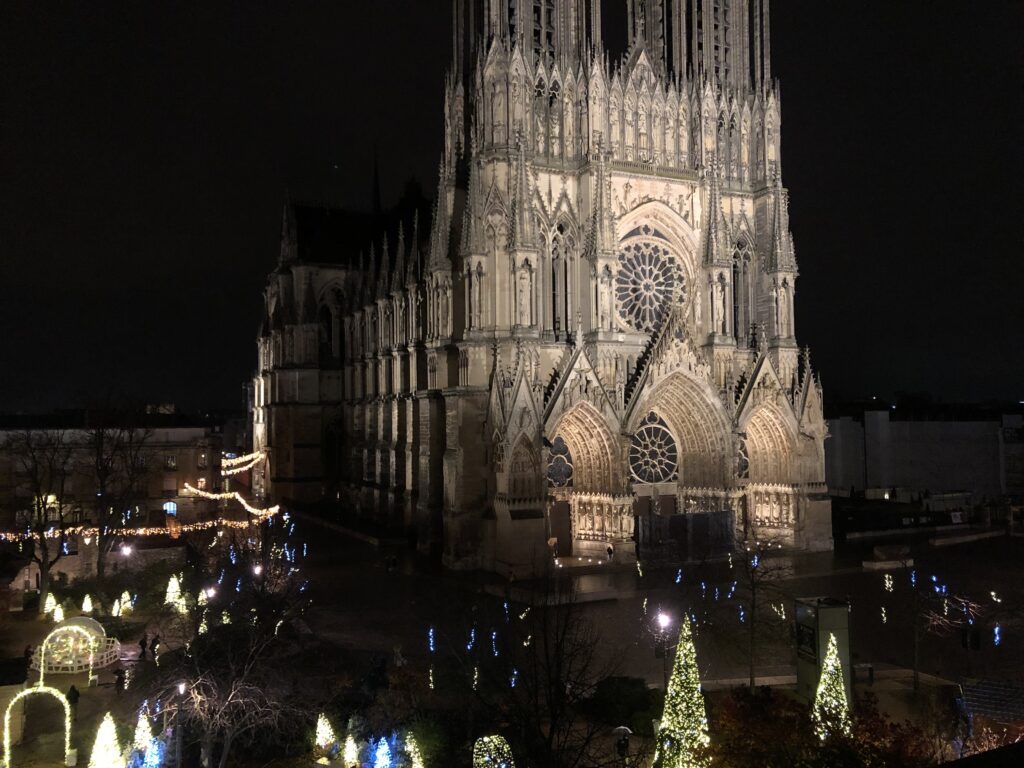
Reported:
(327, 235)
(1000, 700)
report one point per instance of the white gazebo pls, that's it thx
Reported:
(75, 646)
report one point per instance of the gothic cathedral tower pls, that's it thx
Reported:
(597, 350)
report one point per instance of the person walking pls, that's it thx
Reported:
(118, 680)
(73, 697)
(142, 647)
(153, 645)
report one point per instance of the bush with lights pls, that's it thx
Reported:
(492, 752)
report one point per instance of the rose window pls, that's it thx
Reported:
(645, 285)
(653, 457)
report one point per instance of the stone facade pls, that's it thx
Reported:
(595, 336)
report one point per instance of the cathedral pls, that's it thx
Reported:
(587, 348)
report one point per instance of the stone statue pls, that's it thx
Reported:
(719, 313)
(523, 296)
(783, 302)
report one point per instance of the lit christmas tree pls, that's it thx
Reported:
(174, 596)
(382, 755)
(58, 614)
(143, 733)
(412, 751)
(492, 752)
(115, 609)
(683, 735)
(154, 754)
(831, 713)
(87, 604)
(350, 754)
(325, 737)
(106, 751)
(50, 604)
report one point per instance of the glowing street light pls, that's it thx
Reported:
(664, 620)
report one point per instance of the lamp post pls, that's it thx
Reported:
(661, 646)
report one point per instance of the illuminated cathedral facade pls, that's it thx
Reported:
(589, 347)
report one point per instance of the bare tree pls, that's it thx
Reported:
(43, 467)
(116, 463)
(532, 666)
(757, 574)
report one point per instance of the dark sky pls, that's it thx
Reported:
(145, 150)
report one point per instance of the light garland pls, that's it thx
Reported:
(219, 496)
(40, 688)
(831, 712)
(239, 468)
(231, 462)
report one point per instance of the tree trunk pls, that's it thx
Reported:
(44, 583)
(225, 751)
(101, 562)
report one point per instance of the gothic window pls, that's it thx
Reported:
(653, 456)
(741, 293)
(648, 279)
(560, 464)
(524, 477)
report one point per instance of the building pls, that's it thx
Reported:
(165, 449)
(932, 453)
(591, 344)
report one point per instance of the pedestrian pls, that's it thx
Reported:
(153, 645)
(118, 680)
(611, 553)
(73, 697)
(142, 647)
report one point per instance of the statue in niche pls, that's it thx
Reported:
(570, 132)
(442, 312)
(607, 300)
(524, 291)
(477, 278)
(784, 311)
(719, 306)
(499, 114)
(541, 143)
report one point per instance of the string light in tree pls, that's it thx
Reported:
(492, 752)
(106, 750)
(683, 735)
(412, 751)
(382, 754)
(350, 754)
(143, 732)
(831, 711)
(325, 738)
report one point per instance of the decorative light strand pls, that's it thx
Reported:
(233, 462)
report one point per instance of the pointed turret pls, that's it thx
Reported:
(384, 280)
(289, 238)
(716, 245)
(441, 228)
(521, 225)
(398, 274)
(370, 277)
(781, 257)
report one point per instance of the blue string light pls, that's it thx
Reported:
(494, 642)
(430, 640)
(472, 639)
(679, 576)
(997, 635)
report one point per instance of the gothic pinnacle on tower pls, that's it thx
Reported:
(522, 220)
(398, 275)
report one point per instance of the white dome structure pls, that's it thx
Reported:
(75, 646)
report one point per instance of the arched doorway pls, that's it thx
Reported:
(770, 493)
(586, 487)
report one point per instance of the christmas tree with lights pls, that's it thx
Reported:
(831, 712)
(325, 737)
(412, 752)
(106, 750)
(683, 735)
(143, 733)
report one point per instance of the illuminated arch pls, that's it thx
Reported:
(40, 688)
(97, 643)
(592, 446)
(771, 442)
(698, 424)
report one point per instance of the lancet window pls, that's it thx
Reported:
(742, 293)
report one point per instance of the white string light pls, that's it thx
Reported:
(232, 462)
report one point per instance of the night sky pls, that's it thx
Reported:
(145, 153)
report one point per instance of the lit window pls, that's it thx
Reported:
(170, 461)
(171, 507)
(202, 461)
(201, 483)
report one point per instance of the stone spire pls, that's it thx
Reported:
(781, 255)
(369, 277)
(716, 246)
(289, 239)
(413, 267)
(384, 278)
(441, 228)
(398, 274)
(602, 226)
(522, 222)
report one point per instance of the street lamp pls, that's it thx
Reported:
(661, 645)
